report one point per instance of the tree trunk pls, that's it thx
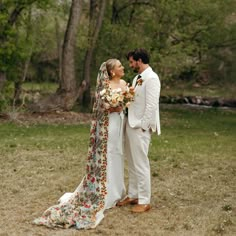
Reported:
(2, 80)
(3, 37)
(21, 80)
(68, 82)
(18, 83)
(59, 51)
(94, 30)
(67, 92)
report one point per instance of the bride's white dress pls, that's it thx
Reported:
(115, 173)
(115, 160)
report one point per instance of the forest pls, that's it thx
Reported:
(61, 44)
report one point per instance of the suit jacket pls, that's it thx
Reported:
(144, 110)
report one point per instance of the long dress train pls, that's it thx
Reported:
(68, 212)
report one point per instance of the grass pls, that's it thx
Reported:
(41, 136)
(193, 167)
(47, 87)
(186, 88)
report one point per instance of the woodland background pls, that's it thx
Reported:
(56, 47)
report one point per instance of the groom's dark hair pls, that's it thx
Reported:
(139, 53)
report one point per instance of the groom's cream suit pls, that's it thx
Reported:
(143, 119)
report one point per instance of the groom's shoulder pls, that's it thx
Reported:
(154, 78)
(152, 72)
(154, 75)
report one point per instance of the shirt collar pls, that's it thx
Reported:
(146, 72)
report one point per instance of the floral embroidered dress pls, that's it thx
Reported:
(103, 184)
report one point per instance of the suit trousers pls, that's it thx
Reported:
(137, 146)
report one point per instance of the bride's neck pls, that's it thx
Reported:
(115, 80)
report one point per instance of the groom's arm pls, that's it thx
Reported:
(151, 101)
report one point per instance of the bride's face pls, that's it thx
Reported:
(118, 69)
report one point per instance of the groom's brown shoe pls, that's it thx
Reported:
(127, 201)
(139, 208)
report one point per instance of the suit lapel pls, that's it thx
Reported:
(134, 83)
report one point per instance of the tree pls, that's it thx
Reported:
(182, 36)
(11, 55)
(97, 9)
(67, 93)
(8, 20)
(185, 38)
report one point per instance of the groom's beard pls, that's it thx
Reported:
(136, 69)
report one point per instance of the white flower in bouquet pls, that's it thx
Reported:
(117, 97)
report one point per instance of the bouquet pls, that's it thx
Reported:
(128, 95)
(117, 97)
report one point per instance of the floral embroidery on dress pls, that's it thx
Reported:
(81, 209)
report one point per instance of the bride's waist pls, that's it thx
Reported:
(116, 113)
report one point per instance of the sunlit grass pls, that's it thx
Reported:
(43, 136)
(192, 132)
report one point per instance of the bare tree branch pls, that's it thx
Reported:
(116, 11)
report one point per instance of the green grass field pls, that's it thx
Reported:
(193, 167)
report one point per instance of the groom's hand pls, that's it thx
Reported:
(150, 130)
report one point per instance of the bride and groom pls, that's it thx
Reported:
(114, 135)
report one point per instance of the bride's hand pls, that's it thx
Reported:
(131, 88)
(115, 109)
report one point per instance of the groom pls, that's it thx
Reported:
(143, 119)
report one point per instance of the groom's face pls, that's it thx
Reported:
(134, 65)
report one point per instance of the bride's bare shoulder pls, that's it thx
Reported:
(123, 82)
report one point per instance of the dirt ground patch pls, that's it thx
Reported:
(47, 118)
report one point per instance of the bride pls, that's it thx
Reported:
(103, 184)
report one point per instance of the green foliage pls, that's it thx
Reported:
(186, 34)
(17, 31)
(187, 39)
(182, 36)
(3, 103)
(6, 96)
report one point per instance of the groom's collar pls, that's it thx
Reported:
(145, 72)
